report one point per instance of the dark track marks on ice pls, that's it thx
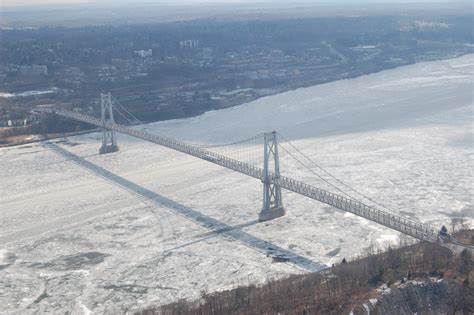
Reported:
(210, 223)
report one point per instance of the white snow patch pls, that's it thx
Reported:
(387, 240)
(27, 93)
(3, 256)
(367, 309)
(411, 282)
(81, 309)
(384, 289)
(437, 280)
(85, 309)
(373, 301)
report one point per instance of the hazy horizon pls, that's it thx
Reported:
(23, 3)
(37, 13)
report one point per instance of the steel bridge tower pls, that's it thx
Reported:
(109, 139)
(272, 205)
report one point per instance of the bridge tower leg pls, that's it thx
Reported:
(272, 204)
(109, 140)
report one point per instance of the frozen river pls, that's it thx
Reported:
(83, 232)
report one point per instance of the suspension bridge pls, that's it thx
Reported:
(273, 181)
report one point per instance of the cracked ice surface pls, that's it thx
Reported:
(89, 233)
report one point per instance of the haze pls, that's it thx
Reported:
(13, 3)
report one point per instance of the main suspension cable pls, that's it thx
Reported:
(316, 174)
(332, 176)
(136, 120)
(120, 109)
(209, 146)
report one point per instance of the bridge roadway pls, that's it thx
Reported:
(388, 219)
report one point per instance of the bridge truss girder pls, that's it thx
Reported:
(273, 182)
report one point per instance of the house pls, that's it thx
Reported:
(17, 122)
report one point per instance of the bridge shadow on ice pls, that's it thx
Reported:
(212, 224)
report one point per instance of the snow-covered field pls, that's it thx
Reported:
(84, 232)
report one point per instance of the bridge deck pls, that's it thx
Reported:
(388, 219)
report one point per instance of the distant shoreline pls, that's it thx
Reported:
(68, 134)
(45, 137)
